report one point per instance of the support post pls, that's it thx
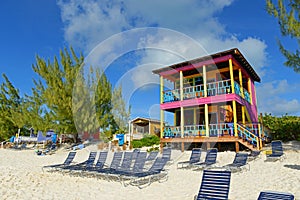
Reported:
(182, 121)
(161, 89)
(161, 146)
(234, 118)
(205, 106)
(241, 82)
(206, 120)
(250, 90)
(243, 115)
(207, 145)
(162, 119)
(182, 146)
(204, 80)
(237, 146)
(181, 108)
(231, 76)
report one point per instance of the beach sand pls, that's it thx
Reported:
(21, 177)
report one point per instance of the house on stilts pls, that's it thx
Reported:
(213, 101)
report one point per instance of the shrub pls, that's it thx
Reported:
(147, 141)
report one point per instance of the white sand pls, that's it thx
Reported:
(21, 177)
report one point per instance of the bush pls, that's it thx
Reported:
(147, 141)
(283, 128)
(153, 149)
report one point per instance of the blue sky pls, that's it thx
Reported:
(34, 27)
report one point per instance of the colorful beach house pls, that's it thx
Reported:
(213, 101)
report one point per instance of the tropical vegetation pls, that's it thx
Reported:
(288, 16)
(283, 128)
(65, 98)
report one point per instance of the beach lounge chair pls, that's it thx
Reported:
(214, 185)
(145, 178)
(135, 152)
(80, 166)
(115, 163)
(194, 158)
(67, 162)
(125, 165)
(274, 195)
(239, 162)
(101, 162)
(138, 166)
(210, 159)
(166, 155)
(277, 151)
(152, 155)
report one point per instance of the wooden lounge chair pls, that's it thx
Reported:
(67, 162)
(194, 158)
(214, 185)
(210, 160)
(274, 195)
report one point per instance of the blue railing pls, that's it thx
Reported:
(218, 88)
(197, 91)
(192, 92)
(218, 130)
(171, 95)
(247, 95)
(189, 130)
(215, 130)
(247, 134)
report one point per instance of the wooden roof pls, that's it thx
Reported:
(237, 55)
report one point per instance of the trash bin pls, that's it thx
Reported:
(121, 139)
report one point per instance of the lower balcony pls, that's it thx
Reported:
(215, 130)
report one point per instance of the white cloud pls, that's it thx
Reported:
(88, 23)
(272, 98)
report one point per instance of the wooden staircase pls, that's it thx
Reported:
(247, 138)
(247, 144)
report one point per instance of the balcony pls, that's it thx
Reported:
(215, 130)
(197, 91)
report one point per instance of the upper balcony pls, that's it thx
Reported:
(213, 89)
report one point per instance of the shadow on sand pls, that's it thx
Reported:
(293, 166)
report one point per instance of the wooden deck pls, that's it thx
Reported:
(208, 141)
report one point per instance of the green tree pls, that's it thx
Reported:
(288, 16)
(55, 87)
(11, 109)
(103, 103)
(120, 113)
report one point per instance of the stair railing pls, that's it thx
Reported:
(248, 135)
